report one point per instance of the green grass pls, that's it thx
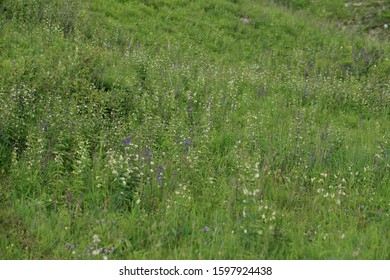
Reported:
(194, 130)
(366, 16)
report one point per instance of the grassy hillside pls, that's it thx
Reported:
(193, 130)
(364, 16)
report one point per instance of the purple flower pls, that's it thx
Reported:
(147, 154)
(189, 109)
(187, 142)
(160, 170)
(206, 229)
(127, 141)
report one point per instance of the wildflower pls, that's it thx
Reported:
(245, 20)
(95, 252)
(96, 239)
(147, 154)
(127, 141)
(187, 144)
(159, 170)
(356, 253)
(206, 229)
(42, 128)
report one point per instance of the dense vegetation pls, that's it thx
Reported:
(194, 129)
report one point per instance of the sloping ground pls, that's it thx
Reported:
(369, 16)
(191, 129)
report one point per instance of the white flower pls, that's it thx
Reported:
(95, 252)
(96, 239)
(356, 253)
(326, 195)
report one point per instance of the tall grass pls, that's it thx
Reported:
(176, 130)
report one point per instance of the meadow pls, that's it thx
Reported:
(179, 129)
